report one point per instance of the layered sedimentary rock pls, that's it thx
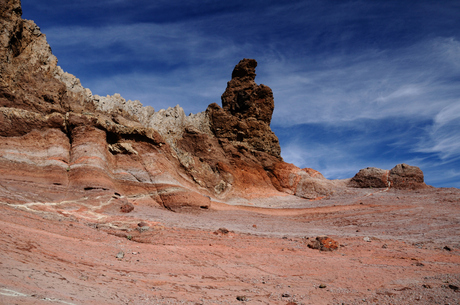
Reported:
(76, 151)
(61, 147)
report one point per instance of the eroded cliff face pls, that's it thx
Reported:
(76, 151)
(63, 148)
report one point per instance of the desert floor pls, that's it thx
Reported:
(396, 247)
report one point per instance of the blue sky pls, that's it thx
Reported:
(356, 83)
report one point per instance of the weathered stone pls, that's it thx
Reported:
(246, 111)
(164, 158)
(122, 148)
(126, 208)
(177, 198)
(404, 176)
(370, 177)
(324, 243)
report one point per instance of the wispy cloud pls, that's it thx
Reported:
(443, 136)
(392, 87)
(172, 43)
(409, 82)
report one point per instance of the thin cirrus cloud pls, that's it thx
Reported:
(160, 66)
(443, 136)
(409, 82)
(415, 89)
(356, 83)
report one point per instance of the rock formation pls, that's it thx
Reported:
(323, 243)
(402, 176)
(371, 177)
(76, 151)
(246, 112)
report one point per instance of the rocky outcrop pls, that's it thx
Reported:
(62, 145)
(402, 176)
(120, 108)
(116, 146)
(371, 177)
(29, 76)
(246, 112)
(306, 183)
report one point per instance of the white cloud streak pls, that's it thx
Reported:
(169, 43)
(407, 83)
(339, 85)
(443, 136)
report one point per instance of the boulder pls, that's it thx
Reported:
(179, 199)
(324, 243)
(370, 177)
(404, 176)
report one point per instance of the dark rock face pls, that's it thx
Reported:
(402, 176)
(244, 98)
(29, 76)
(246, 111)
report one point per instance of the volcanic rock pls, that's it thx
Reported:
(306, 183)
(29, 76)
(176, 198)
(70, 162)
(108, 144)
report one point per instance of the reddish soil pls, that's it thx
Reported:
(396, 247)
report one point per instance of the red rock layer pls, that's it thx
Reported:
(58, 145)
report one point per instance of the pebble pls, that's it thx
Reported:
(285, 295)
(120, 255)
(367, 239)
(453, 287)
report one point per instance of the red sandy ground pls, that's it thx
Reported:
(396, 247)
